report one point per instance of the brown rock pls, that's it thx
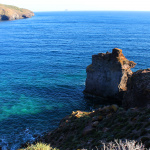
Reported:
(79, 114)
(8, 12)
(108, 74)
(138, 93)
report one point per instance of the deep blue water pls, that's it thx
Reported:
(43, 65)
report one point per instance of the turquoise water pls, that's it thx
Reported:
(43, 65)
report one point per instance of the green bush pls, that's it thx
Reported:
(39, 146)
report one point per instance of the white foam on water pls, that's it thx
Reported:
(22, 138)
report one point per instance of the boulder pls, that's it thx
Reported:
(138, 93)
(108, 74)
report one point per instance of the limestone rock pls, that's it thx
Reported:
(138, 93)
(8, 12)
(108, 74)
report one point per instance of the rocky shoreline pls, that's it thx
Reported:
(8, 12)
(108, 76)
(90, 130)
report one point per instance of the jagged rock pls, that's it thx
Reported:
(138, 93)
(8, 12)
(108, 74)
(83, 133)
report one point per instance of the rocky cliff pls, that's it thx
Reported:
(89, 130)
(8, 12)
(138, 93)
(108, 74)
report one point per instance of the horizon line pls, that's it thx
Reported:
(92, 10)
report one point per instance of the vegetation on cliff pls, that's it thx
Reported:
(9, 12)
(93, 130)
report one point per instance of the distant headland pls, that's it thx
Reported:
(9, 12)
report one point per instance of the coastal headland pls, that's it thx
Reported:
(99, 129)
(9, 12)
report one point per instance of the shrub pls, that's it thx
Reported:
(123, 145)
(39, 146)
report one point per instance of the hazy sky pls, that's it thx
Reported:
(60, 5)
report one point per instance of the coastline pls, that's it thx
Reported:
(90, 130)
(9, 12)
(128, 123)
(22, 43)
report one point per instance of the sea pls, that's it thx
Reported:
(43, 63)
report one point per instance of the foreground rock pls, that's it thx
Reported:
(8, 12)
(87, 129)
(138, 93)
(108, 74)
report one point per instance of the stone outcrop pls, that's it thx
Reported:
(8, 12)
(138, 93)
(108, 74)
(86, 130)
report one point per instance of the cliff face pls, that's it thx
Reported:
(138, 93)
(8, 12)
(108, 74)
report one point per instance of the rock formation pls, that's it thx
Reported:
(86, 130)
(138, 93)
(8, 12)
(108, 74)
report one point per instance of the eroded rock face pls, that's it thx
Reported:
(138, 93)
(8, 12)
(108, 74)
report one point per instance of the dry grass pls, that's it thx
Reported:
(12, 7)
(123, 145)
(116, 145)
(39, 146)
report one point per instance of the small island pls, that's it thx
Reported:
(9, 12)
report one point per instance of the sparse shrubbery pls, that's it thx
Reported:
(12, 7)
(39, 146)
(116, 145)
(123, 145)
(87, 129)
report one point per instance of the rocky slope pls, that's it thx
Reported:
(108, 74)
(138, 93)
(8, 12)
(89, 130)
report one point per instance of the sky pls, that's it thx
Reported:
(80, 5)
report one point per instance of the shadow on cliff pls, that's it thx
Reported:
(96, 102)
